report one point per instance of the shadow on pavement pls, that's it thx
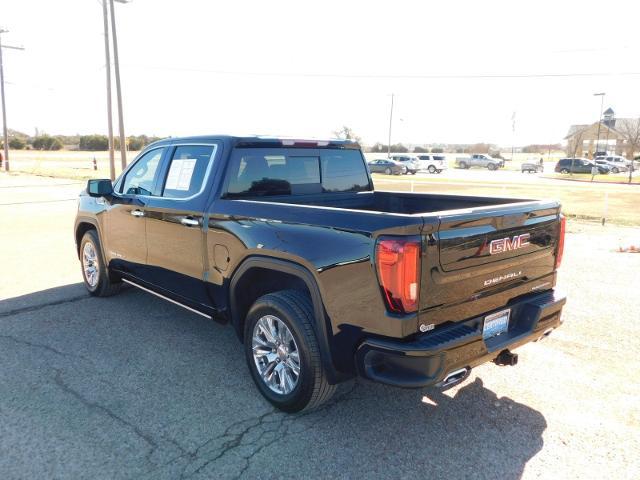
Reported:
(130, 386)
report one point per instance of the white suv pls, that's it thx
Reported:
(432, 163)
(617, 163)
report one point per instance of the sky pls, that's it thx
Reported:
(458, 70)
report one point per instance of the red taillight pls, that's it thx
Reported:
(560, 251)
(397, 261)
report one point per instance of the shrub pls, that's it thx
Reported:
(47, 142)
(17, 143)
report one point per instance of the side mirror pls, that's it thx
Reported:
(99, 188)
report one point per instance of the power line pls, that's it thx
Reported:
(444, 76)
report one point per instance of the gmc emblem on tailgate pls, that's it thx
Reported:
(502, 245)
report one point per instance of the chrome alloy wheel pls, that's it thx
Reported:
(275, 354)
(90, 264)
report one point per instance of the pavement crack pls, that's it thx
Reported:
(34, 308)
(273, 426)
(44, 347)
(92, 405)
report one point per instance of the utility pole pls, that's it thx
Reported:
(513, 134)
(123, 144)
(112, 165)
(601, 95)
(390, 123)
(5, 129)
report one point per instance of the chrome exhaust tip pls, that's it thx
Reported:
(454, 377)
(546, 333)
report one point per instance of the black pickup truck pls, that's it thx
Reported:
(322, 277)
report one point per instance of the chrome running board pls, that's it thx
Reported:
(167, 299)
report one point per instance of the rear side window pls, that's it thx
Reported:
(343, 171)
(268, 172)
(188, 167)
(438, 157)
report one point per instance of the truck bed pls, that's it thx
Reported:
(471, 249)
(380, 201)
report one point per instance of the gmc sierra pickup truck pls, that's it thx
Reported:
(322, 277)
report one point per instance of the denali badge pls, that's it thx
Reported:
(502, 245)
(502, 278)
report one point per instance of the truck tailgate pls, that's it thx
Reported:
(473, 240)
(481, 258)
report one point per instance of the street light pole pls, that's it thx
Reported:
(112, 166)
(116, 65)
(4, 110)
(601, 95)
(390, 123)
(5, 128)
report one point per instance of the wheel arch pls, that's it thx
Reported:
(264, 275)
(82, 226)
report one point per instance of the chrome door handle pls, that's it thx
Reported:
(137, 213)
(189, 222)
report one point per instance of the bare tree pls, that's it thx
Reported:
(578, 138)
(629, 128)
(347, 133)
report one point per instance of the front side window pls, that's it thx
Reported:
(141, 178)
(187, 170)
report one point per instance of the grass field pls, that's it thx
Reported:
(583, 177)
(618, 203)
(64, 163)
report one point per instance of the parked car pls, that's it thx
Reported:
(618, 163)
(614, 167)
(410, 162)
(432, 163)
(321, 277)
(390, 167)
(579, 165)
(479, 160)
(532, 167)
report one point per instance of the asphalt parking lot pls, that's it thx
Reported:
(133, 387)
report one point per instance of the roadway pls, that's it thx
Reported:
(132, 387)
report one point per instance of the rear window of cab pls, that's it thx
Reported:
(257, 172)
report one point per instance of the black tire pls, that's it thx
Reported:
(463, 165)
(414, 172)
(491, 166)
(387, 171)
(295, 310)
(615, 170)
(432, 169)
(105, 286)
(564, 170)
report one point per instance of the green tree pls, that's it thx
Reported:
(399, 148)
(17, 143)
(437, 150)
(420, 149)
(94, 142)
(378, 148)
(47, 142)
